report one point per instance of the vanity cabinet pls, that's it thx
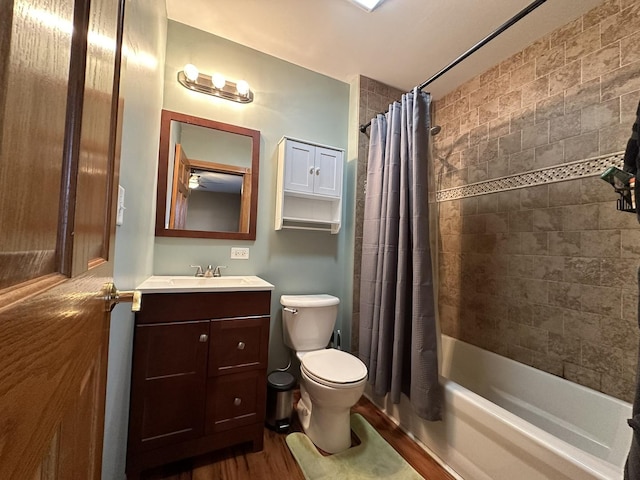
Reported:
(199, 375)
(309, 186)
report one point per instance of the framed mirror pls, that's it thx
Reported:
(207, 178)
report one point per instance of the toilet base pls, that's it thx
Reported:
(329, 428)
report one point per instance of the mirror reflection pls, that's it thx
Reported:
(208, 173)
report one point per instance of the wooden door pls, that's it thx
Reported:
(59, 72)
(180, 190)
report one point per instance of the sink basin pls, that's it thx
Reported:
(186, 284)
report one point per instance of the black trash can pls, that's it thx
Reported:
(280, 387)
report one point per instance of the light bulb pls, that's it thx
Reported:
(218, 80)
(242, 87)
(193, 181)
(191, 72)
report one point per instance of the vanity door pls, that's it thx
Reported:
(168, 383)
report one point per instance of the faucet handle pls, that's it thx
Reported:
(216, 271)
(199, 272)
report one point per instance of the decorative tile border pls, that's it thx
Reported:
(567, 171)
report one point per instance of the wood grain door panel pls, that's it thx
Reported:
(53, 325)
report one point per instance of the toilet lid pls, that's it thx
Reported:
(334, 366)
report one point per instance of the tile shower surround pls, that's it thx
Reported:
(545, 274)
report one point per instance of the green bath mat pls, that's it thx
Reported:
(374, 458)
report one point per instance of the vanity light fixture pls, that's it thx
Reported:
(368, 5)
(216, 85)
(194, 181)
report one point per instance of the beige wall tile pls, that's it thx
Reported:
(585, 271)
(621, 81)
(582, 376)
(550, 60)
(601, 244)
(511, 63)
(535, 91)
(548, 268)
(565, 77)
(583, 44)
(618, 26)
(535, 135)
(583, 95)
(549, 155)
(509, 144)
(630, 49)
(565, 193)
(600, 115)
(601, 61)
(548, 219)
(549, 108)
(614, 138)
(599, 13)
(510, 102)
(522, 161)
(536, 49)
(565, 126)
(523, 75)
(535, 243)
(563, 34)
(522, 118)
(582, 146)
(535, 197)
(564, 243)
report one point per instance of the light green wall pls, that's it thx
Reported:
(141, 91)
(292, 101)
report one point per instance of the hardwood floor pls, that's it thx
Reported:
(275, 461)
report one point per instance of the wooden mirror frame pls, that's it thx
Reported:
(163, 164)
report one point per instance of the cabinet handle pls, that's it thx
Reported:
(204, 337)
(240, 346)
(237, 401)
(317, 171)
(311, 171)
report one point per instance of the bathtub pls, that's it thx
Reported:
(506, 420)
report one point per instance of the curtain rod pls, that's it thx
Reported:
(516, 18)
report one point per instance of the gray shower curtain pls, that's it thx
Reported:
(398, 339)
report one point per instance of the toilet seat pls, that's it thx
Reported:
(334, 368)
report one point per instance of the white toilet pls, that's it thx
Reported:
(332, 380)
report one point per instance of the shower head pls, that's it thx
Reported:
(435, 130)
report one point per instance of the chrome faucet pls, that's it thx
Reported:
(199, 272)
(216, 271)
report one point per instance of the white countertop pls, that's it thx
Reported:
(191, 284)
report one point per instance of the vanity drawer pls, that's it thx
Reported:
(176, 307)
(238, 344)
(235, 400)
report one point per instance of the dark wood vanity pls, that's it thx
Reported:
(199, 375)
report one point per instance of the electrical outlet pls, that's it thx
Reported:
(240, 253)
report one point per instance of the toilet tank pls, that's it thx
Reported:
(308, 320)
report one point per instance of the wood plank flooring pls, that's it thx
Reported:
(275, 462)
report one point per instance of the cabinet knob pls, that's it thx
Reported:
(240, 346)
(204, 337)
(317, 171)
(237, 401)
(311, 170)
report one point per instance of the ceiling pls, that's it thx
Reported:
(401, 43)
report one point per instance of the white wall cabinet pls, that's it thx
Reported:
(309, 190)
